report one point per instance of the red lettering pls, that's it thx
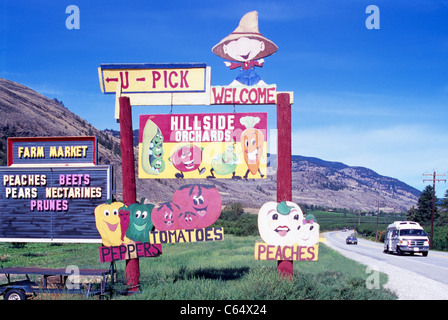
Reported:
(218, 96)
(261, 250)
(173, 85)
(227, 95)
(269, 252)
(243, 100)
(285, 257)
(262, 97)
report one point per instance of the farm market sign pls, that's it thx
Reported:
(140, 229)
(243, 95)
(153, 78)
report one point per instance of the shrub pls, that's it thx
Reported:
(237, 222)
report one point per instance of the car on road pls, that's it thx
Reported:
(351, 240)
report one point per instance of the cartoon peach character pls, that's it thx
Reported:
(246, 46)
(165, 216)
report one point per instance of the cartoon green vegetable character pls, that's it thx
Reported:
(140, 222)
(152, 149)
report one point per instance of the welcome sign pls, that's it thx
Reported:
(218, 145)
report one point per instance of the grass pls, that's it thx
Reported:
(222, 270)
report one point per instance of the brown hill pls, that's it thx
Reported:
(315, 182)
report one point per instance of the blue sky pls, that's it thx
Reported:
(375, 98)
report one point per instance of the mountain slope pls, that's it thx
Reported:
(315, 182)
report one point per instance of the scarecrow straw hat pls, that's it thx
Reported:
(248, 28)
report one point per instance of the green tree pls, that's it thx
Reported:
(422, 213)
(443, 214)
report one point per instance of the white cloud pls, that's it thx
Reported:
(402, 151)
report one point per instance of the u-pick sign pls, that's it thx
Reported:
(286, 234)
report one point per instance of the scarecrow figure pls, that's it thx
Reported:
(246, 47)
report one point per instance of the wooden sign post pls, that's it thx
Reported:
(284, 174)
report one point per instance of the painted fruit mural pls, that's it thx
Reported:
(152, 149)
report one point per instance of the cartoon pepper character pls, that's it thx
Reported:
(200, 205)
(252, 141)
(140, 222)
(278, 223)
(123, 214)
(246, 47)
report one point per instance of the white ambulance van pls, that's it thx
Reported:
(406, 236)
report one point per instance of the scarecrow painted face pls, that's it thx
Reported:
(187, 158)
(243, 49)
(278, 223)
(140, 223)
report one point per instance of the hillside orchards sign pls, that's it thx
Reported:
(50, 188)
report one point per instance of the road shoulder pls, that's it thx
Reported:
(407, 285)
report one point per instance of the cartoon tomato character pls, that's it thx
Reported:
(140, 223)
(199, 202)
(108, 223)
(278, 223)
(188, 220)
(308, 233)
(165, 217)
(187, 158)
(252, 141)
(152, 149)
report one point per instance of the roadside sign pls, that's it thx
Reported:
(153, 78)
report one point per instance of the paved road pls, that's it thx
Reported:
(431, 271)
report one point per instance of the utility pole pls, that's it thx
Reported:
(434, 180)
